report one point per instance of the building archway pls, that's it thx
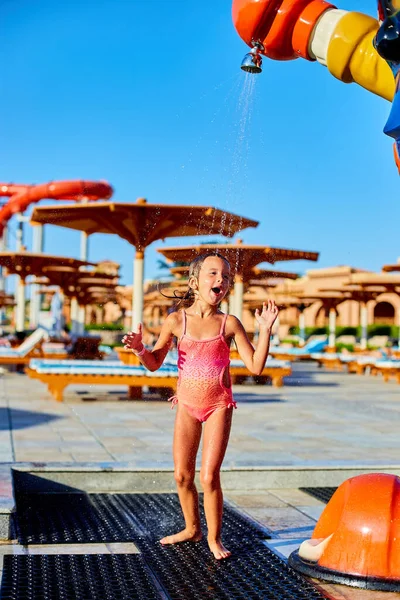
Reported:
(384, 313)
(322, 316)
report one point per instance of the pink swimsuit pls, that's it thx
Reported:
(202, 365)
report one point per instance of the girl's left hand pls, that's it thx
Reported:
(268, 315)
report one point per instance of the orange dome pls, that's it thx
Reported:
(362, 520)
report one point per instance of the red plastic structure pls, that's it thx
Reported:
(21, 196)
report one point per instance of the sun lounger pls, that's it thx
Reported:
(336, 361)
(274, 369)
(303, 353)
(361, 364)
(23, 353)
(388, 369)
(54, 350)
(57, 375)
(329, 360)
(395, 352)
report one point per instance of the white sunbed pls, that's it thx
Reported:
(22, 354)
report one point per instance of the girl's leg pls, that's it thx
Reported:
(216, 435)
(186, 444)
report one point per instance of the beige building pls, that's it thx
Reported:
(382, 309)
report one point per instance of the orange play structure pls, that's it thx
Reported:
(284, 28)
(21, 196)
(357, 538)
(316, 31)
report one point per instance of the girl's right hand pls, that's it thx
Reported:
(133, 341)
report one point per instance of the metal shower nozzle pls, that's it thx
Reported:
(252, 61)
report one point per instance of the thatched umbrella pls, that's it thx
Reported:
(389, 281)
(141, 224)
(242, 257)
(330, 301)
(30, 263)
(361, 295)
(391, 268)
(73, 283)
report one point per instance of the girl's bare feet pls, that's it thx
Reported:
(186, 535)
(218, 549)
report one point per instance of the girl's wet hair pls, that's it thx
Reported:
(187, 298)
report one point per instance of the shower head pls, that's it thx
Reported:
(252, 61)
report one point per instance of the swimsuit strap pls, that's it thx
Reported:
(223, 325)
(221, 331)
(183, 323)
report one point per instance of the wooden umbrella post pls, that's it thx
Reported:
(20, 308)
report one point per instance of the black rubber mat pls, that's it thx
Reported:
(90, 518)
(162, 513)
(185, 571)
(189, 572)
(77, 577)
(183, 575)
(323, 493)
(69, 519)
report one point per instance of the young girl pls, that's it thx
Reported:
(204, 393)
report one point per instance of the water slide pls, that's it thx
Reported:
(21, 196)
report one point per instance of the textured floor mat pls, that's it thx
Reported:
(185, 571)
(84, 577)
(323, 493)
(189, 572)
(90, 518)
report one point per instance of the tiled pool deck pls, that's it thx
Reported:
(319, 419)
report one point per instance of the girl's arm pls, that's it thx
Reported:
(152, 359)
(255, 359)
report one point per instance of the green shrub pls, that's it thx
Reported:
(316, 331)
(379, 330)
(309, 331)
(294, 343)
(346, 331)
(340, 347)
(376, 329)
(104, 327)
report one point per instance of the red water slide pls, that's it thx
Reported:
(21, 196)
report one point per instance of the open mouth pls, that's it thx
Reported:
(216, 290)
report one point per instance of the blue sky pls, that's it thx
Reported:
(148, 95)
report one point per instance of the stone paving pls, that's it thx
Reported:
(320, 418)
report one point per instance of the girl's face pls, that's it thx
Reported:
(214, 279)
